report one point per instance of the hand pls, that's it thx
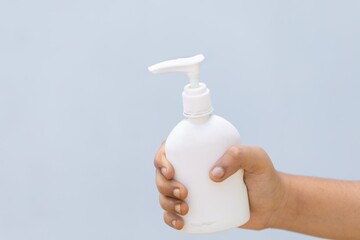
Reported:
(266, 187)
(172, 193)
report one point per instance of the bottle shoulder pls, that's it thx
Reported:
(214, 127)
(210, 122)
(214, 135)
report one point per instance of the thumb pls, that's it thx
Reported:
(249, 158)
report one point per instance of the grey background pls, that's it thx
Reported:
(81, 118)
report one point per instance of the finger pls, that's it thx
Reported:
(163, 164)
(251, 159)
(173, 220)
(173, 205)
(170, 188)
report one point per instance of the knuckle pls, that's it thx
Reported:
(165, 217)
(167, 204)
(260, 150)
(235, 152)
(184, 208)
(261, 154)
(157, 161)
(163, 202)
(164, 186)
(159, 156)
(184, 192)
(160, 183)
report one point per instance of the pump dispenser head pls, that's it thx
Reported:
(190, 66)
(196, 96)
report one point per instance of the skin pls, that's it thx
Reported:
(319, 207)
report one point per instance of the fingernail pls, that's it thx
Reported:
(173, 222)
(218, 172)
(178, 208)
(176, 192)
(163, 171)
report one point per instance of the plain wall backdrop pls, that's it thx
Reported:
(81, 117)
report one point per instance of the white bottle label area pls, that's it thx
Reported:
(192, 148)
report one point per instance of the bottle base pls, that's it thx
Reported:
(211, 227)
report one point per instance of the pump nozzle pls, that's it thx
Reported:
(188, 65)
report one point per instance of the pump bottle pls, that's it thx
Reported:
(193, 146)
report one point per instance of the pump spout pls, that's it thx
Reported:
(190, 66)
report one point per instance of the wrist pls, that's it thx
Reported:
(284, 214)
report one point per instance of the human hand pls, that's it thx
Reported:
(266, 186)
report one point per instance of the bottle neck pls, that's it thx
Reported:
(199, 120)
(196, 101)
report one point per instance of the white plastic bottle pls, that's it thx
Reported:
(193, 146)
